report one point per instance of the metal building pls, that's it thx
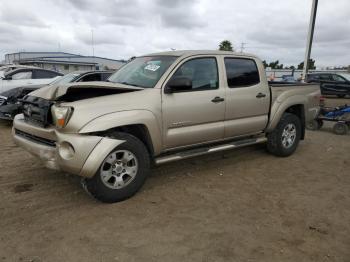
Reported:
(62, 62)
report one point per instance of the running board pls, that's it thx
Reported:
(207, 150)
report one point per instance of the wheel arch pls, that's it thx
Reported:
(141, 124)
(297, 109)
(139, 131)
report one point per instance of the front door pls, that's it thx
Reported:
(328, 85)
(342, 86)
(16, 79)
(195, 115)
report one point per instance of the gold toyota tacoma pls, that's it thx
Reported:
(159, 108)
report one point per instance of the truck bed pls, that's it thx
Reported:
(303, 93)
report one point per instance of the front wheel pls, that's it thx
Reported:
(123, 171)
(284, 140)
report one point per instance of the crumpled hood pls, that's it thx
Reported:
(84, 111)
(53, 92)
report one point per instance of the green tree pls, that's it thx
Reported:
(311, 64)
(265, 64)
(275, 65)
(226, 45)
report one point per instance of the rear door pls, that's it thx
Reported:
(196, 115)
(247, 97)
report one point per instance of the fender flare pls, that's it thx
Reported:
(279, 107)
(125, 118)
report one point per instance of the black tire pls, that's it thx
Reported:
(320, 123)
(97, 187)
(341, 96)
(314, 125)
(274, 139)
(340, 128)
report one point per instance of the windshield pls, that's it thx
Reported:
(346, 76)
(65, 79)
(143, 71)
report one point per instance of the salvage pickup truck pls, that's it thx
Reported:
(159, 108)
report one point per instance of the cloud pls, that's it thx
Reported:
(18, 16)
(271, 29)
(179, 14)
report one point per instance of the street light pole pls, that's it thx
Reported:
(310, 36)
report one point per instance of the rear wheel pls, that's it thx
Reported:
(122, 173)
(340, 128)
(284, 140)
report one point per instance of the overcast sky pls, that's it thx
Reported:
(272, 29)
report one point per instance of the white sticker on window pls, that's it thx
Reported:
(152, 67)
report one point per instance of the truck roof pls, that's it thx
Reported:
(199, 52)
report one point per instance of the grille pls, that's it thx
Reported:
(40, 140)
(37, 110)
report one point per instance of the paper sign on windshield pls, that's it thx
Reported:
(152, 67)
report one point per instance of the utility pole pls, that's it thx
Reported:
(93, 48)
(309, 38)
(242, 46)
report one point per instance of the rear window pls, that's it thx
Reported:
(241, 72)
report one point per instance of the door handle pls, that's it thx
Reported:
(217, 99)
(260, 95)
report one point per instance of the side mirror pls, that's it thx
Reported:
(178, 84)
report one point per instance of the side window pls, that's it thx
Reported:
(325, 77)
(105, 76)
(338, 78)
(91, 77)
(42, 74)
(241, 72)
(203, 73)
(22, 75)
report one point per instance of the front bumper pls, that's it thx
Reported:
(8, 111)
(4, 116)
(79, 154)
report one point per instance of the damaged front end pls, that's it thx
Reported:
(10, 101)
(77, 154)
(37, 105)
(42, 131)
